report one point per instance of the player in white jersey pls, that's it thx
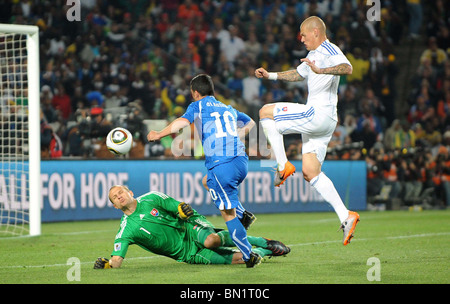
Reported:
(316, 120)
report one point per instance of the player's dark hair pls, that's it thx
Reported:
(203, 84)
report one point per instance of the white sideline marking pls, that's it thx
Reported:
(301, 244)
(388, 238)
(59, 265)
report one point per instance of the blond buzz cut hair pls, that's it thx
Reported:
(314, 22)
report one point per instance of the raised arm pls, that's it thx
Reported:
(291, 75)
(174, 127)
(340, 69)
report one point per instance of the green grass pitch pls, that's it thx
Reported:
(392, 247)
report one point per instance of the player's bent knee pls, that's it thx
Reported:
(212, 241)
(307, 177)
(311, 166)
(266, 111)
(205, 182)
(309, 174)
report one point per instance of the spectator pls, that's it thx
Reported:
(112, 99)
(234, 46)
(375, 105)
(95, 99)
(188, 10)
(197, 35)
(366, 134)
(61, 102)
(434, 54)
(339, 136)
(370, 125)
(443, 109)
(219, 32)
(57, 46)
(51, 145)
(404, 137)
(251, 93)
(360, 66)
(431, 137)
(252, 46)
(348, 104)
(209, 58)
(420, 111)
(235, 83)
(415, 17)
(389, 140)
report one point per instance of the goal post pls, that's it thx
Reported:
(20, 169)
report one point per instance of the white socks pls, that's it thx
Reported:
(276, 141)
(325, 187)
(321, 182)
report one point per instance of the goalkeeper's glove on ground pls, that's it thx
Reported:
(102, 263)
(185, 211)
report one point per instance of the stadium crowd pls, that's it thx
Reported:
(127, 62)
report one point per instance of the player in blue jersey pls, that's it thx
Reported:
(219, 127)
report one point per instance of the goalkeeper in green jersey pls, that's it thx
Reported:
(160, 224)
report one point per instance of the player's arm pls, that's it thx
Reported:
(185, 211)
(172, 206)
(103, 263)
(174, 127)
(245, 124)
(116, 261)
(291, 75)
(340, 69)
(244, 130)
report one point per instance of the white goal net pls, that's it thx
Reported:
(20, 199)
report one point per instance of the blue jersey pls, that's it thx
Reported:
(217, 125)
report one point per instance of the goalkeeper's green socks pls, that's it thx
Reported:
(262, 252)
(259, 242)
(253, 240)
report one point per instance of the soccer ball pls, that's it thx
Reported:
(119, 141)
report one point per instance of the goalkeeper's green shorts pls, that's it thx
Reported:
(200, 228)
(221, 255)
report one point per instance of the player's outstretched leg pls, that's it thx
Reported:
(247, 219)
(277, 247)
(239, 236)
(284, 167)
(348, 226)
(281, 176)
(255, 259)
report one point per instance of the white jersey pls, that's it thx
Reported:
(322, 88)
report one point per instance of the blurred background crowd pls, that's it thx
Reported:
(129, 62)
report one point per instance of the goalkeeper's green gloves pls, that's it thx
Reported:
(102, 263)
(185, 211)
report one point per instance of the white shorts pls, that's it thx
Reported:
(316, 127)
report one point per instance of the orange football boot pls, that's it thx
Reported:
(348, 226)
(281, 176)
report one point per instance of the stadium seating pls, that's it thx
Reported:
(134, 62)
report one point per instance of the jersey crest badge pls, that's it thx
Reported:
(154, 212)
(117, 246)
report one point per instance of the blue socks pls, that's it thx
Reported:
(239, 210)
(239, 236)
